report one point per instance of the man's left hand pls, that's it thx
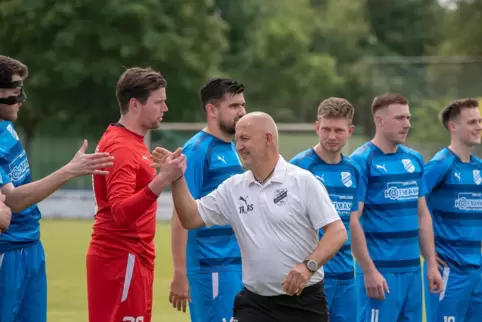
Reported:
(435, 280)
(297, 279)
(158, 156)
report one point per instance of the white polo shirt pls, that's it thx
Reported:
(276, 224)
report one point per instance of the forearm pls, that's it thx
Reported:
(128, 210)
(426, 238)
(30, 194)
(185, 205)
(359, 245)
(178, 244)
(331, 242)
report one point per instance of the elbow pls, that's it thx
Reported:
(343, 234)
(119, 217)
(186, 223)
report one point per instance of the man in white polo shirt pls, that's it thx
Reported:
(276, 210)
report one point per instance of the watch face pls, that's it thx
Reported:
(312, 266)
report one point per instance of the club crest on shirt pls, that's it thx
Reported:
(280, 196)
(346, 179)
(408, 165)
(477, 178)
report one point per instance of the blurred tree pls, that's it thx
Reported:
(76, 50)
(271, 51)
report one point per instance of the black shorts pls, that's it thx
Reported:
(310, 306)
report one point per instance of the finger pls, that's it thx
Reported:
(2, 198)
(83, 148)
(155, 165)
(380, 292)
(385, 286)
(171, 297)
(161, 151)
(178, 152)
(99, 155)
(100, 172)
(294, 285)
(184, 305)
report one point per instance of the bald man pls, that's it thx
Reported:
(276, 210)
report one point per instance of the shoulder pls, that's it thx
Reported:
(412, 153)
(199, 143)
(362, 152)
(350, 163)
(299, 175)
(442, 158)
(303, 158)
(477, 161)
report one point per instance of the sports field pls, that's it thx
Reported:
(65, 245)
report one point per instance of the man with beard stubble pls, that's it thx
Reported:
(209, 277)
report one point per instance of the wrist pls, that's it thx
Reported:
(370, 268)
(158, 185)
(180, 272)
(66, 173)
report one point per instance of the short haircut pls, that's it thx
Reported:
(137, 83)
(216, 88)
(335, 107)
(453, 110)
(385, 100)
(10, 67)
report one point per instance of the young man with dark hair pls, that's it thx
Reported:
(207, 261)
(120, 259)
(392, 222)
(23, 282)
(334, 170)
(454, 184)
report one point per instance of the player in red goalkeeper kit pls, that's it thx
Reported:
(120, 258)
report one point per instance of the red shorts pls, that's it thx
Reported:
(119, 289)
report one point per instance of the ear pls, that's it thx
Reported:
(351, 129)
(211, 110)
(451, 126)
(269, 139)
(133, 104)
(317, 127)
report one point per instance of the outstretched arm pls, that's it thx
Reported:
(19, 198)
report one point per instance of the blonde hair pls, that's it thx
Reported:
(335, 107)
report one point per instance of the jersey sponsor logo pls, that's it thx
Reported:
(346, 179)
(280, 196)
(18, 167)
(246, 207)
(402, 190)
(342, 203)
(477, 178)
(133, 319)
(469, 201)
(408, 165)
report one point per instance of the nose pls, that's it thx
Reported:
(332, 135)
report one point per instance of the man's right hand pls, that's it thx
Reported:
(179, 292)
(173, 166)
(375, 284)
(86, 164)
(5, 214)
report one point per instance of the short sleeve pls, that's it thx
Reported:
(195, 167)
(320, 209)
(214, 207)
(433, 174)
(360, 164)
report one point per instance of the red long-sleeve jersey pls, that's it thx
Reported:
(125, 219)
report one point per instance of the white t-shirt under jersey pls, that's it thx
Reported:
(276, 224)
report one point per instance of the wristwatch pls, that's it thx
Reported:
(311, 265)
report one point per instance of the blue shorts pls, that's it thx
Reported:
(403, 303)
(461, 300)
(341, 298)
(23, 285)
(213, 294)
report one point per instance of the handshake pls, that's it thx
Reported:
(171, 165)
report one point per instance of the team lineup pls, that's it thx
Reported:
(321, 237)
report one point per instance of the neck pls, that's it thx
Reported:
(461, 150)
(132, 126)
(327, 156)
(263, 171)
(384, 145)
(214, 130)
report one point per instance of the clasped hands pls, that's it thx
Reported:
(171, 165)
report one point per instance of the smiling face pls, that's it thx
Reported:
(466, 128)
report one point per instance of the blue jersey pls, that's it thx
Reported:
(340, 180)
(390, 186)
(210, 161)
(455, 202)
(24, 228)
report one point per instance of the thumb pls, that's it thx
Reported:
(2, 197)
(83, 148)
(385, 286)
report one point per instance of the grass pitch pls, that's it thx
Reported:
(66, 243)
